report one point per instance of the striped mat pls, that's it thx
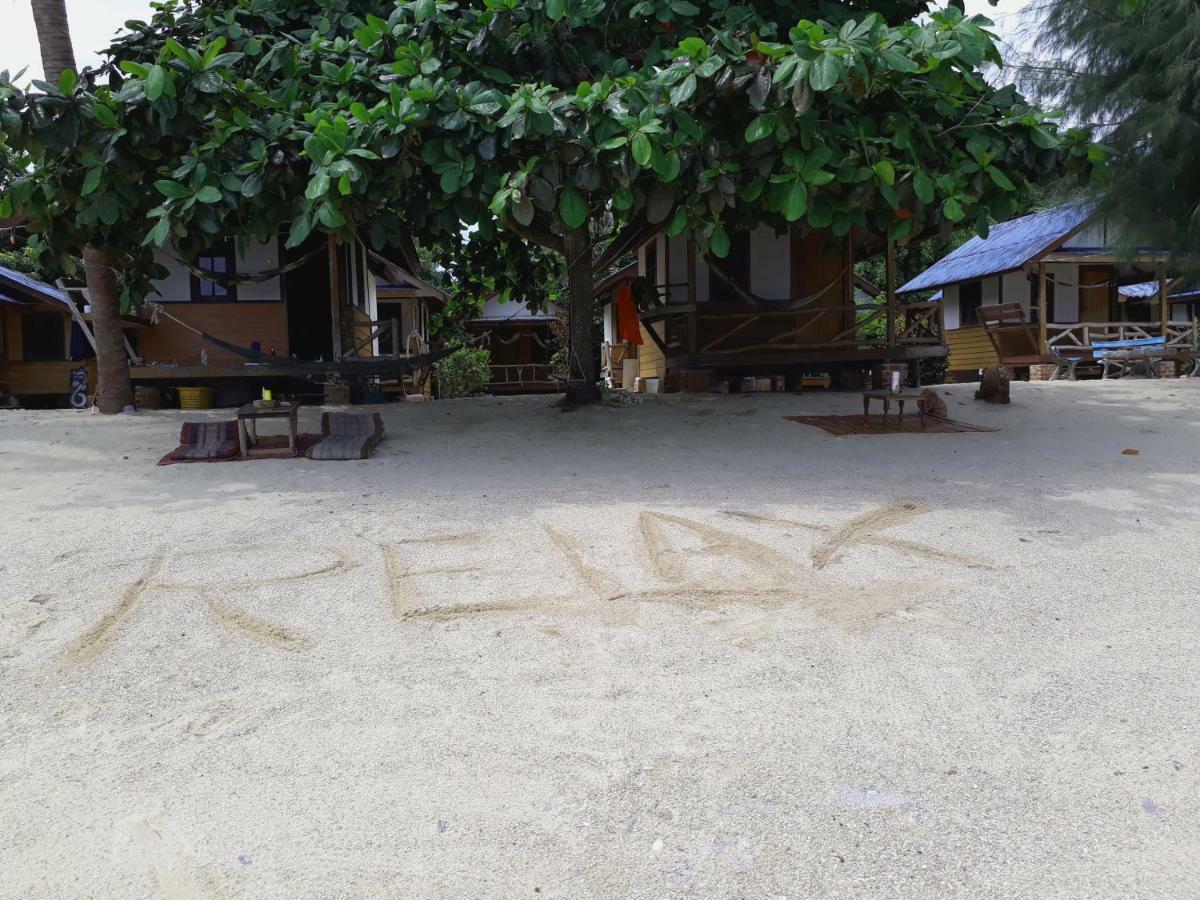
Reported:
(877, 424)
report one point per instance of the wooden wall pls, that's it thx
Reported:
(237, 323)
(817, 259)
(970, 349)
(651, 363)
(52, 378)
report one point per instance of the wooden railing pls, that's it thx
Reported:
(521, 375)
(917, 324)
(1081, 335)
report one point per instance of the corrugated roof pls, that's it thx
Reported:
(20, 283)
(1146, 290)
(1008, 246)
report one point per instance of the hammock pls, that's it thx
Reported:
(765, 304)
(349, 367)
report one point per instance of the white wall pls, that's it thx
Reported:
(950, 302)
(770, 264)
(177, 286)
(1066, 292)
(1096, 234)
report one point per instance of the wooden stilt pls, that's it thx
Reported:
(891, 296)
(1164, 308)
(1042, 323)
(335, 295)
(693, 334)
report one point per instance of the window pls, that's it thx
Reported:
(970, 298)
(736, 265)
(222, 259)
(1033, 299)
(43, 337)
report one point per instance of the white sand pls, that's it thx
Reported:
(684, 648)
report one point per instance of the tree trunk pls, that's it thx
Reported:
(581, 376)
(54, 37)
(112, 362)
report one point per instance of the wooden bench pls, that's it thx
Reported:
(1013, 337)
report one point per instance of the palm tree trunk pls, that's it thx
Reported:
(54, 37)
(112, 362)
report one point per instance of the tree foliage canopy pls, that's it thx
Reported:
(1129, 70)
(525, 117)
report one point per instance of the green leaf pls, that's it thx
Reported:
(209, 194)
(330, 216)
(683, 91)
(156, 83)
(1044, 138)
(642, 150)
(301, 229)
(161, 232)
(572, 207)
(67, 81)
(795, 201)
(344, 185)
(824, 72)
(718, 243)
(952, 210)
(172, 190)
(761, 128)
(318, 186)
(91, 181)
(555, 9)
(104, 115)
(923, 187)
(678, 222)
(886, 171)
(1002, 181)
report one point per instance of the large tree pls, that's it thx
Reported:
(547, 123)
(1129, 70)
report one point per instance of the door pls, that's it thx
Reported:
(1095, 303)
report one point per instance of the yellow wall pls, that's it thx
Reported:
(970, 348)
(651, 363)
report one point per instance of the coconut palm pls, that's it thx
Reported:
(112, 362)
(54, 37)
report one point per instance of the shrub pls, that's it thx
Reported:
(464, 372)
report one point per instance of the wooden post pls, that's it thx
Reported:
(335, 296)
(693, 336)
(891, 296)
(1164, 308)
(397, 350)
(1043, 333)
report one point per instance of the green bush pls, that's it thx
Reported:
(464, 372)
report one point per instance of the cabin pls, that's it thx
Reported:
(44, 356)
(261, 298)
(1060, 273)
(781, 305)
(522, 344)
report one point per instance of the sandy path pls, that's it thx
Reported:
(684, 648)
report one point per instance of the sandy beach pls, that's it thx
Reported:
(682, 648)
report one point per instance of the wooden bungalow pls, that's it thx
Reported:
(44, 357)
(780, 304)
(310, 304)
(521, 342)
(1063, 284)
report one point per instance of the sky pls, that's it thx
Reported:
(94, 22)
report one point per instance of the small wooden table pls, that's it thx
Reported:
(887, 397)
(248, 415)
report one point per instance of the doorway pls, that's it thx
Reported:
(1096, 293)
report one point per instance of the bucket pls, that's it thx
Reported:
(195, 398)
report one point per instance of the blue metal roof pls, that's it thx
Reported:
(1148, 290)
(19, 282)
(1008, 246)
